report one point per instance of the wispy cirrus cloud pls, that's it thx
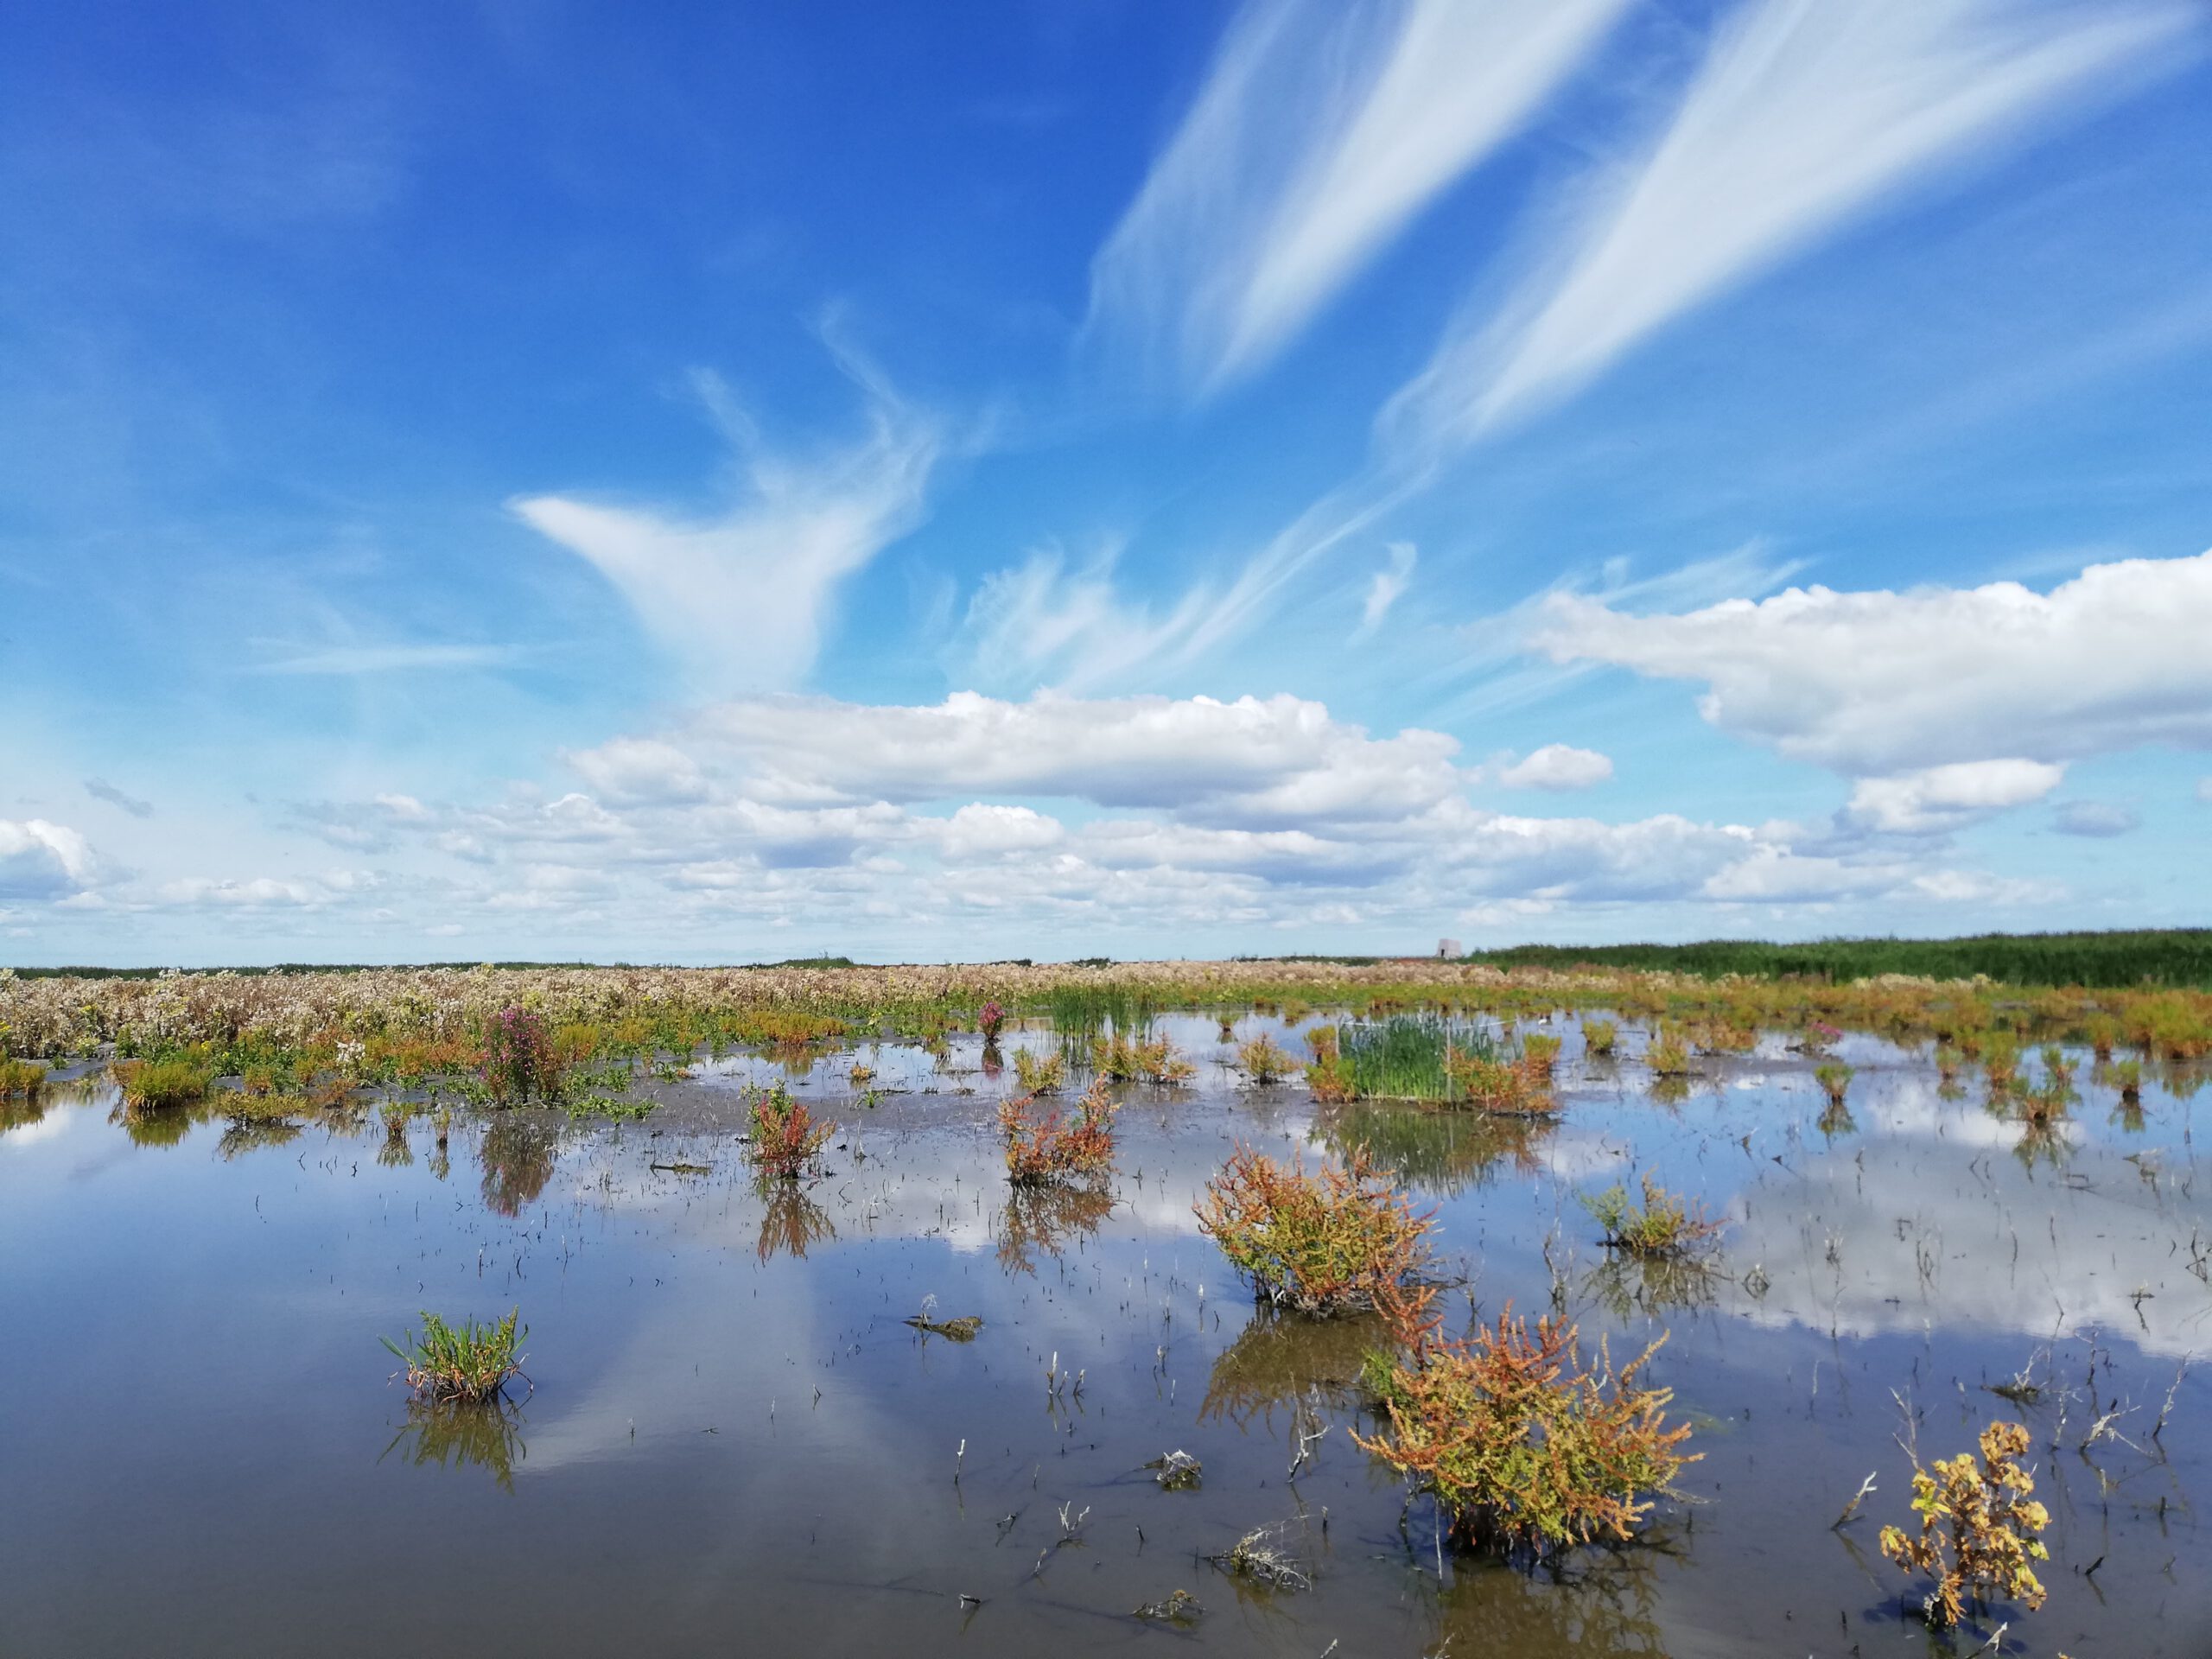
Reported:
(1386, 588)
(395, 658)
(1803, 115)
(1320, 132)
(768, 568)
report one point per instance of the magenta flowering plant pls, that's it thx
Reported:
(518, 1062)
(990, 1021)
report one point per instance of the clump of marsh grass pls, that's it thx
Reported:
(1663, 1225)
(1528, 1448)
(786, 1139)
(1043, 1145)
(2128, 1075)
(157, 1085)
(1040, 1074)
(1977, 1528)
(1265, 1060)
(467, 1363)
(21, 1079)
(1323, 1244)
(2102, 1032)
(1127, 1059)
(1667, 1054)
(1835, 1079)
(2000, 1064)
(1598, 1037)
(2057, 1067)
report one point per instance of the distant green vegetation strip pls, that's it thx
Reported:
(2158, 956)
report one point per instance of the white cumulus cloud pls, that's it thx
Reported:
(1280, 759)
(1558, 766)
(39, 860)
(1879, 683)
(1938, 798)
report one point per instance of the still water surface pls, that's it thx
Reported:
(735, 1443)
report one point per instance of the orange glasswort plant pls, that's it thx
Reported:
(1044, 1144)
(1529, 1450)
(1492, 1083)
(1325, 1243)
(1328, 1077)
(785, 1137)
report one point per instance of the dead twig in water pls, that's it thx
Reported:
(1865, 1488)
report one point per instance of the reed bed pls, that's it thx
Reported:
(416, 1028)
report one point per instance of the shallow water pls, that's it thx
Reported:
(735, 1443)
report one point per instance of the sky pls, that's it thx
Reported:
(1158, 478)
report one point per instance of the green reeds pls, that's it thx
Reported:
(1084, 1010)
(1409, 1056)
(468, 1362)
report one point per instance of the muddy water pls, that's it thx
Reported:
(735, 1443)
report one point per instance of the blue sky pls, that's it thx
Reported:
(720, 483)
